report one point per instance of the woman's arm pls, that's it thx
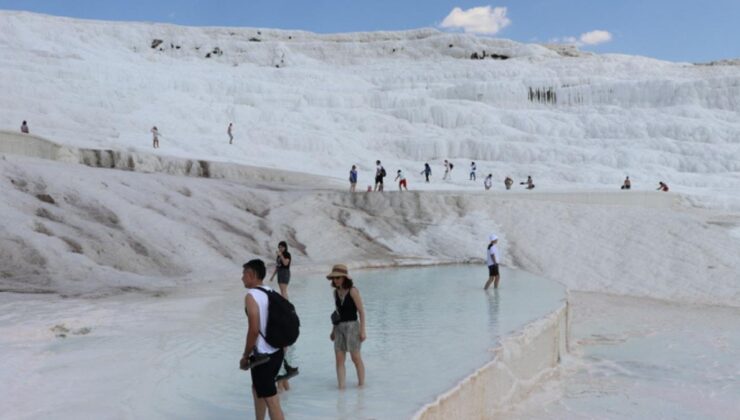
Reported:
(274, 271)
(285, 261)
(361, 309)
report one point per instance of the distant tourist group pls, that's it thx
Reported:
(380, 174)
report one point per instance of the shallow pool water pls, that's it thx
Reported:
(177, 356)
(641, 358)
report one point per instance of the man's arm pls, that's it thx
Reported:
(253, 331)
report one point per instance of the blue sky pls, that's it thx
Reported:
(678, 30)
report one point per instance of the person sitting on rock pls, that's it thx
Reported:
(529, 183)
(24, 127)
(662, 186)
(627, 184)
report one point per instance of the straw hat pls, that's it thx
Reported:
(339, 270)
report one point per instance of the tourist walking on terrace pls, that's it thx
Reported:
(427, 172)
(627, 184)
(262, 359)
(230, 132)
(448, 170)
(488, 182)
(352, 178)
(155, 137)
(508, 182)
(492, 260)
(348, 332)
(662, 186)
(473, 168)
(24, 127)
(379, 175)
(401, 181)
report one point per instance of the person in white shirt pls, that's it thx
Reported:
(488, 182)
(402, 182)
(379, 175)
(448, 171)
(259, 357)
(492, 260)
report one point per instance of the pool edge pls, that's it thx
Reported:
(519, 363)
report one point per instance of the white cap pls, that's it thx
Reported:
(493, 237)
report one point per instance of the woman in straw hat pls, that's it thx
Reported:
(348, 332)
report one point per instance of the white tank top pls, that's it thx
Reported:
(263, 303)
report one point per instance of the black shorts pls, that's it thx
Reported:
(379, 180)
(263, 376)
(493, 270)
(283, 275)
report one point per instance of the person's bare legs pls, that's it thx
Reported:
(488, 283)
(341, 373)
(495, 281)
(283, 290)
(259, 406)
(273, 407)
(360, 366)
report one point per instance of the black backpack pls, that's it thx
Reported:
(451, 166)
(282, 320)
(382, 172)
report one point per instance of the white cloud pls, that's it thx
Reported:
(595, 37)
(482, 20)
(587, 38)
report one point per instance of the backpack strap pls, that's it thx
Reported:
(268, 305)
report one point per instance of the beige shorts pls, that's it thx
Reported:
(347, 336)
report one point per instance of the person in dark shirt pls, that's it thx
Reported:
(282, 268)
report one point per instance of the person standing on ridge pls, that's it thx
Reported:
(401, 181)
(492, 260)
(427, 172)
(379, 175)
(347, 334)
(259, 357)
(488, 182)
(508, 182)
(155, 137)
(24, 127)
(448, 170)
(353, 178)
(473, 168)
(230, 132)
(627, 184)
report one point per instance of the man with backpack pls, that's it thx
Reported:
(379, 175)
(273, 325)
(448, 170)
